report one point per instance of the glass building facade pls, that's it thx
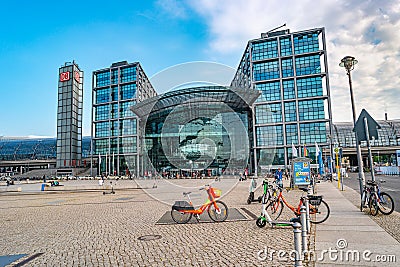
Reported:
(197, 131)
(69, 116)
(114, 126)
(290, 70)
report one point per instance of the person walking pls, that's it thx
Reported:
(278, 177)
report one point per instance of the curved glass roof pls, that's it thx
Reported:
(389, 134)
(233, 97)
(35, 148)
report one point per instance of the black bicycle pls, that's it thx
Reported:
(375, 200)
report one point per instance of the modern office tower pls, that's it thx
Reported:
(69, 117)
(291, 72)
(115, 132)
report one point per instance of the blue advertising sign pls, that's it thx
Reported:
(301, 173)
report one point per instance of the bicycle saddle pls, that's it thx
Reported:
(369, 182)
(186, 193)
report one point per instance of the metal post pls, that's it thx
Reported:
(371, 162)
(303, 221)
(297, 245)
(307, 205)
(361, 176)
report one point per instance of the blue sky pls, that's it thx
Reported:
(37, 37)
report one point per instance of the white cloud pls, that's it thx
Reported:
(367, 30)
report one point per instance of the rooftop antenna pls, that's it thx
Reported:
(265, 34)
(277, 28)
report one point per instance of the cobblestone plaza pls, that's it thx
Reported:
(87, 228)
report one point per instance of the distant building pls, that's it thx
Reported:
(69, 117)
(115, 132)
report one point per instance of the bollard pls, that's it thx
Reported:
(303, 221)
(307, 205)
(297, 246)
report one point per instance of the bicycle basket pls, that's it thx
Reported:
(216, 193)
(182, 205)
(315, 200)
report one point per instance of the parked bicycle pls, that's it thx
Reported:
(182, 211)
(319, 209)
(375, 200)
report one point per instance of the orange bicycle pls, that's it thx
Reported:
(182, 211)
(319, 209)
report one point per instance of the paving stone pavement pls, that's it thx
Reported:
(92, 229)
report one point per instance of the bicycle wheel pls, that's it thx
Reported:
(220, 214)
(373, 205)
(386, 203)
(319, 213)
(180, 217)
(274, 209)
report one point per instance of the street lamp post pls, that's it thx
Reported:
(348, 63)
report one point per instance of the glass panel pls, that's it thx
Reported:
(288, 89)
(309, 87)
(268, 113)
(287, 67)
(286, 46)
(308, 65)
(102, 112)
(128, 74)
(128, 91)
(102, 79)
(266, 71)
(306, 43)
(290, 111)
(313, 132)
(270, 135)
(102, 95)
(291, 134)
(265, 50)
(269, 91)
(311, 110)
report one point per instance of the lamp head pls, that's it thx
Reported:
(348, 62)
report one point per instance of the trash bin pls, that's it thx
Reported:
(43, 187)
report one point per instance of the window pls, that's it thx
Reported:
(101, 146)
(291, 134)
(311, 110)
(313, 132)
(266, 71)
(308, 65)
(128, 74)
(265, 50)
(114, 76)
(127, 145)
(306, 43)
(102, 129)
(102, 95)
(269, 91)
(269, 135)
(125, 110)
(286, 46)
(114, 111)
(290, 111)
(268, 113)
(287, 67)
(128, 91)
(128, 127)
(309, 87)
(114, 93)
(102, 79)
(114, 128)
(288, 89)
(102, 112)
